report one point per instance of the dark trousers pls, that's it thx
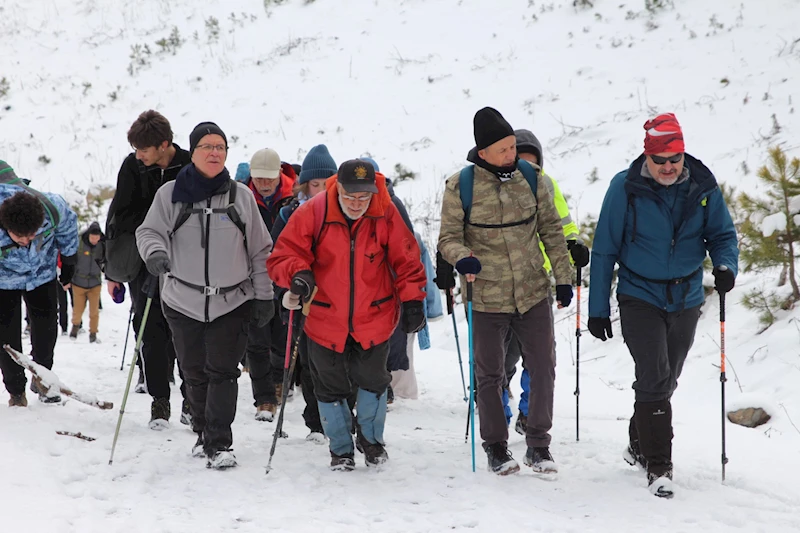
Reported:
(659, 343)
(337, 375)
(42, 306)
(534, 330)
(513, 351)
(263, 361)
(63, 319)
(311, 412)
(209, 354)
(157, 348)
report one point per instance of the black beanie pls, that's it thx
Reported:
(203, 129)
(489, 127)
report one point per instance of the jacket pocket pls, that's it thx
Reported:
(321, 304)
(377, 303)
(488, 287)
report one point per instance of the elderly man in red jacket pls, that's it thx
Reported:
(352, 244)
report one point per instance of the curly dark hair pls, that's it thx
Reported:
(22, 214)
(150, 129)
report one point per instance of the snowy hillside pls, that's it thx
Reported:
(400, 80)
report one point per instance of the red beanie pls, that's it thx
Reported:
(663, 135)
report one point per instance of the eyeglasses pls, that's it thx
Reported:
(658, 160)
(212, 147)
(362, 199)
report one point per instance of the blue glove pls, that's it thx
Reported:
(564, 295)
(468, 265)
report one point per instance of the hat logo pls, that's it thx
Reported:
(360, 172)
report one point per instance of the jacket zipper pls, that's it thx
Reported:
(352, 279)
(208, 244)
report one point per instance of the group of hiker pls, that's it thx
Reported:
(226, 271)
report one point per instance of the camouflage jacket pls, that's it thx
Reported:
(513, 277)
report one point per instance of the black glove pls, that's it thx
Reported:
(67, 269)
(445, 275)
(158, 263)
(261, 312)
(303, 284)
(579, 253)
(564, 294)
(413, 316)
(468, 265)
(600, 328)
(723, 278)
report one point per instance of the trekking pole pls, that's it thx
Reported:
(471, 371)
(127, 334)
(288, 369)
(450, 312)
(150, 288)
(578, 362)
(722, 378)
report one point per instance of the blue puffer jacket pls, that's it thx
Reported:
(659, 233)
(32, 266)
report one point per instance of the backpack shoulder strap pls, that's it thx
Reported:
(232, 213)
(465, 182)
(531, 176)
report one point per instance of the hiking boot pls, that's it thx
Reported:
(221, 460)
(633, 456)
(93, 338)
(45, 396)
(500, 460)
(18, 400)
(141, 386)
(521, 426)
(265, 412)
(197, 449)
(186, 414)
(660, 484)
(374, 454)
(159, 414)
(73, 334)
(540, 460)
(342, 463)
(317, 437)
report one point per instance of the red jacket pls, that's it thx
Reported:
(362, 273)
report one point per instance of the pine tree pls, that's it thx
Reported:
(770, 233)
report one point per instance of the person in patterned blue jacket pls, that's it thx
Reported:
(30, 243)
(658, 221)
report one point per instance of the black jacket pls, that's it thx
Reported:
(136, 188)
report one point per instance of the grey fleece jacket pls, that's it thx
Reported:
(227, 262)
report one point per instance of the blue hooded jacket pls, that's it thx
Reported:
(34, 265)
(660, 234)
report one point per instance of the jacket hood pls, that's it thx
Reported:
(377, 207)
(528, 143)
(93, 226)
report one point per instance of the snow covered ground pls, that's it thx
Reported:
(53, 482)
(401, 80)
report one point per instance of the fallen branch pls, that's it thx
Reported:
(48, 380)
(77, 435)
(789, 417)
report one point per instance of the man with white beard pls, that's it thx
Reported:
(352, 245)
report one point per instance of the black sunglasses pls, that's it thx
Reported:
(658, 160)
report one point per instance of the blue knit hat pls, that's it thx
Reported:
(374, 164)
(318, 164)
(243, 172)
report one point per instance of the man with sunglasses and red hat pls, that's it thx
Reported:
(659, 220)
